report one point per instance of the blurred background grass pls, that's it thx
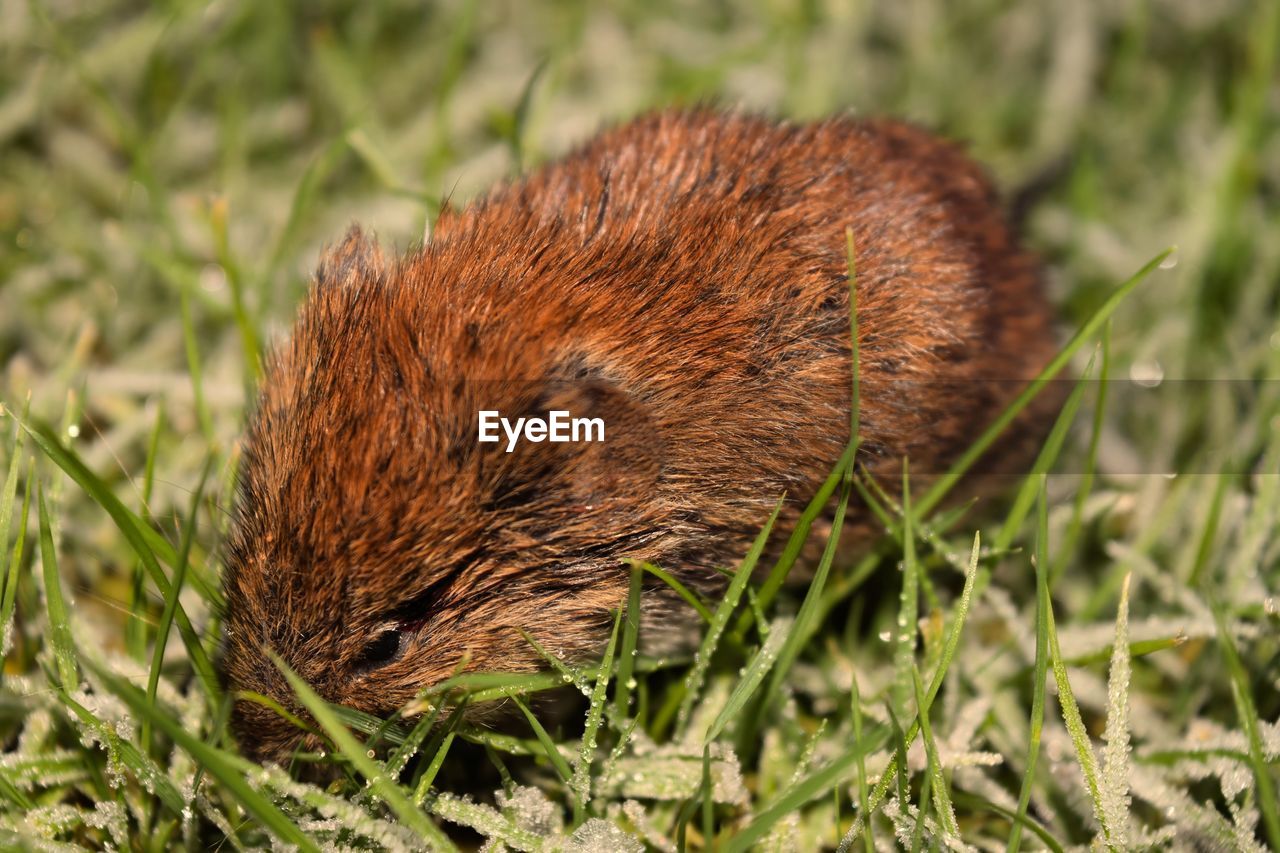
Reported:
(189, 159)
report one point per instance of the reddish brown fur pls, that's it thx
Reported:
(682, 275)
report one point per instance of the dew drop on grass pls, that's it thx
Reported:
(531, 810)
(600, 836)
(213, 278)
(1147, 373)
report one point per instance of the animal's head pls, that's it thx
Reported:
(379, 546)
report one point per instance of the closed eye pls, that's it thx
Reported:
(386, 648)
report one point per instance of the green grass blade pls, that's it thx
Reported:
(429, 775)
(10, 493)
(319, 169)
(1204, 550)
(1138, 649)
(383, 787)
(274, 706)
(945, 483)
(1247, 712)
(677, 587)
(708, 801)
(171, 601)
(816, 784)
(1079, 734)
(1039, 678)
(922, 813)
(9, 601)
(133, 529)
(136, 627)
(230, 770)
(941, 790)
(438, 748)
(1044, 462)
(630, 642)
(952, 641)
(13, 561)
(864, 809)
(486, 687)
(904, 648)
(581, 781)
(1076, 525)
(124, 751)
(944, 663)
(64, 652)
(711, 639)
(799, 535)
(192, 350)
(806, 618)
(897, 768)
(413, 741)
(548, 746)
(754, 674)
(249, 338)
(15, 795)
(71, 464)
(1115, 769)
(971, 802)
(520, 117)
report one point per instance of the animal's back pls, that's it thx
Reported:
(699, 259)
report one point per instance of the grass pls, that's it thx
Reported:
(1104, 671)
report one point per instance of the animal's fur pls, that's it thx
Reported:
(682, 276)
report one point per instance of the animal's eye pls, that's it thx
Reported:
(382, 651)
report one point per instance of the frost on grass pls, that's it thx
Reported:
(530, 809)
(1115, 770)
(907, 824)
(110, 816)
(600, 836)
(673, 773)
(525, 824)
(335, 815)
(634, 813)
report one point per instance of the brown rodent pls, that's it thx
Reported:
(683, 278)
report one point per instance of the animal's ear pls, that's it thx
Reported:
(608, 453)
(624, 458)
(356, 260)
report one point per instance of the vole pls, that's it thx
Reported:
(680, 278)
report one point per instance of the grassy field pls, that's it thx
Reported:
(1097, 660)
